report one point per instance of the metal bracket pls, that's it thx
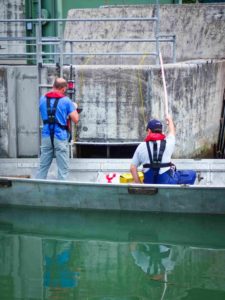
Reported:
(5, 183)
(142, 190)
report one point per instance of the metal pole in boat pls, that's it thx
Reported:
(164, 85)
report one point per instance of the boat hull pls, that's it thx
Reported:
(119, 197)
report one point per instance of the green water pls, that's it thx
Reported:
(53, 254)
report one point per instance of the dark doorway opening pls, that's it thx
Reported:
(105, 151)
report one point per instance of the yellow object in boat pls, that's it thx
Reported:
(127, 177)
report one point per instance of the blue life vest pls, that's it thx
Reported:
(172, 176)
(52, 120)
(151, 176)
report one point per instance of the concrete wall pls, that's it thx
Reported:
(13, 9)
(18, 111)
(199, 30)
(4, 139)
(117, 102)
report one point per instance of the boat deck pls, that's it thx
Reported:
(209, 171)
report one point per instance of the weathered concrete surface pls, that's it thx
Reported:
(199, 30)
(117, 101)
(13, 9)
(195, 91)
(3, 114)
(19, 111)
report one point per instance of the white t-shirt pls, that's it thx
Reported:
(141, 156)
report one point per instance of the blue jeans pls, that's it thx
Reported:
(171, 177)
(61, 150)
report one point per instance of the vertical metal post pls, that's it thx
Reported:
(61, 48)
(73, 97)
(38, 44)
(38, 36)
(71, 51)
(16, 116)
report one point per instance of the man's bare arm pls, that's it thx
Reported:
(74, 116)
(134, 172)
(171, 127)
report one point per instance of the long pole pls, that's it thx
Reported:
(164, 86)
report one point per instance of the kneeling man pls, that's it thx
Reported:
(155, 156)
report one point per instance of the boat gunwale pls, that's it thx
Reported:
(114, 185)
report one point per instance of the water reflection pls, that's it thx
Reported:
(144, 261)
(61, 271)
(155, 260)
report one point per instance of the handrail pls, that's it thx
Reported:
(40, 41)
(78, 20)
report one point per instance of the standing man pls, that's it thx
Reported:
(155, 156)
(56, 109)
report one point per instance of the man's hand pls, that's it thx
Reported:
(79, 110)
(170, 124)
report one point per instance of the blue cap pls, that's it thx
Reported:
(154, 125)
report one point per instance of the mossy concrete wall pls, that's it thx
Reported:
(12, 9)
(18, 111)
(199, 30)
(117, 102)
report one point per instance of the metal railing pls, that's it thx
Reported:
(57, 45)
